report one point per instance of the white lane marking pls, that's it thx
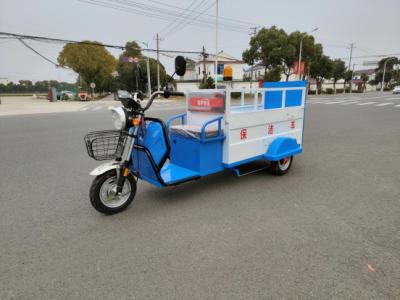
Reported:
(334, 102)
(384, 104)
(366, 103)
(98, 108)
(352, 102)
(397, 105)
(372, 98)
(395, 98)
(84, 108)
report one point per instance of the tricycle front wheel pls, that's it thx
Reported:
(281, 167)
(103, 196)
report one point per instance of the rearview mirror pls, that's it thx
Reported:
(180, 65)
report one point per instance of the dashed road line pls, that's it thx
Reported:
(366, 103)
(384, 104)
(348, 103)
(336, 102)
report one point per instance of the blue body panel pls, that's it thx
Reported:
(154, 141)
(172, 173)
(203, 157)
(282, 147)
(273, 99)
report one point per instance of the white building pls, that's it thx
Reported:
(196, 70)
(257, 73)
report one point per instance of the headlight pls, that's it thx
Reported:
(118, 116)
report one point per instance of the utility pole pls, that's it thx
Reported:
(351, 56)
(204, 55)
(253, 33)
(158, 39)
(148, 71)
(352, 75)
(216, 42)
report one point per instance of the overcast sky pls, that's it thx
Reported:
(374, 27)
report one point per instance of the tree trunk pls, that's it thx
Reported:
(334, 87)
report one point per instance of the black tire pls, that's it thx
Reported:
(94, 193)
(281, 167)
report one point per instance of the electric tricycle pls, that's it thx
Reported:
(221, 129)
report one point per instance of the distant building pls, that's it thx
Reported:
(257, 72)
(4, 80)
(369, 72)
(196, 69)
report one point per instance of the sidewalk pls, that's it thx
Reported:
(22, 105)
(25, 105)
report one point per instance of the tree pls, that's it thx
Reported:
(90, 60)
(338, 70)
(270, 47)
(273, 74)
(307, 53)
(364, 78)
(208, 84)
(390, 72)
(320, 67)
(128, 73)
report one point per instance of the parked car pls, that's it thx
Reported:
(396, 90)
(65, 95)
(121, 94)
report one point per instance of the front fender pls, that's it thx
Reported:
(282, 147)
(104, 168)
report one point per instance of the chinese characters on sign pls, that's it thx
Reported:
(292, 124)
(243, 134)
(270, 128)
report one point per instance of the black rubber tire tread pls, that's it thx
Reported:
(276, 170)
(95, 189)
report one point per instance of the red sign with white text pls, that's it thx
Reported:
(204, 104)
(296, 67)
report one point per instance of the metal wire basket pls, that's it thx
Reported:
(105, 145)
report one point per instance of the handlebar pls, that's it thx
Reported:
(166, 95)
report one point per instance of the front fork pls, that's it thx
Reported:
(123, 170)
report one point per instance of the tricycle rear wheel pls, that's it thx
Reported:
(281, 167)
(103, 197)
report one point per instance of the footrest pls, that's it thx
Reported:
(172, 173)
(250, 168)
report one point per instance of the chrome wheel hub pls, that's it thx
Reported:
(108, 193)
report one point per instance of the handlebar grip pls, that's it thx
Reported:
(177, 94)
(167, 94)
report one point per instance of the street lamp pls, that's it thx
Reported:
(301, 49)
(148, 70)
(384, 71)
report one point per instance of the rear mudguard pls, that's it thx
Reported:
(104, 168)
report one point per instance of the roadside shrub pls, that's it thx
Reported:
(329, 91)
(339, 91)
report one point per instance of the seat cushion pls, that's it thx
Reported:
(194, 130)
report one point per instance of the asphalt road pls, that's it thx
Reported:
(330, 229)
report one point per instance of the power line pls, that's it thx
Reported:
(176, 29)
(65, 41)
(189, 16)
(208, 15)
(41, 55)
(181, 15)
(156, 12)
